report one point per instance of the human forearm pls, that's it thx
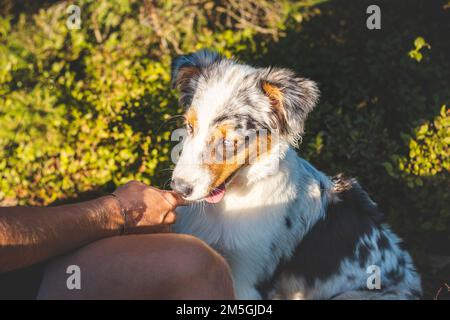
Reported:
(30, 235)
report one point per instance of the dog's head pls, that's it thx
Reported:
(236, 115)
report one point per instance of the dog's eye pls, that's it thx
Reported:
(189, 128)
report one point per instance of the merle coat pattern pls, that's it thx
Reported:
(287, 230)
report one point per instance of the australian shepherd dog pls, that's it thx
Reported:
(287, 230)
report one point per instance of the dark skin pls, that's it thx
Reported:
(145, 266)
(72, 234)
(32, 234)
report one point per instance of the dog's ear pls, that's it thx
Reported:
(291, 98)
(187, 68)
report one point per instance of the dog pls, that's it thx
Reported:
(287, 230)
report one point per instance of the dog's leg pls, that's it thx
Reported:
(245, 275)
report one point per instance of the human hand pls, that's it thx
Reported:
(147, 209)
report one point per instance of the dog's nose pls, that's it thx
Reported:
(182, 187)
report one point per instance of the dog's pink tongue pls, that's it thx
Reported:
(217, 194)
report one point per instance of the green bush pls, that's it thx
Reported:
(89, 109)
(380, 113)
(425, 170)
(428, 150)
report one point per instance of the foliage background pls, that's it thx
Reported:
(82, 111)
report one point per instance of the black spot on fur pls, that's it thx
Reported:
(383, 242)
(238, 126)
(264, 287)
(401, 261)
(288, 222)
(383, 256)
(363, 255)
(221, 119)
(415, 294)
(395, 276)
(322, 186)
(351, 277)
(250, 124)
(335, 237)
(239, 121)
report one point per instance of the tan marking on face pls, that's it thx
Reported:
(221, 164)
(276, 100)
(191, 118)
(242, 153)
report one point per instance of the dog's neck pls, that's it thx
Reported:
(275, 184)
(257, 203)
(255, 208)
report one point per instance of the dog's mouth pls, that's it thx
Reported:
(218, 193)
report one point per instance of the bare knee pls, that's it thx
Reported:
(201, 272)
(156, 266)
